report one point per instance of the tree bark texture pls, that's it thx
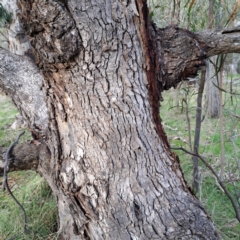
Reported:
(107, 170)
(212, 91)
(13, 37)
(22, 81)
(103, 66)
(184, 51)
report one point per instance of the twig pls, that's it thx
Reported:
(173, 129)
(236, 153)
(6, 159)
(6, 186)
(234, 115)
(221, 183)
(231, 180)
(196, 178)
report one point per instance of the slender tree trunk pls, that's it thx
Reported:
(175, 12)
(210, 14)
(212, 92)
(196, 178)
(221, 122)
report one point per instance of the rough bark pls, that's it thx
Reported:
(103, 66)
(114, 178)
(183, 55)
(184, 51)
(12, 37)
(21, 80)
(220, 42)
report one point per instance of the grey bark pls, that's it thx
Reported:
(21, 80)
(212, 92)
(220, 42)
(12, 37)
(111, 169)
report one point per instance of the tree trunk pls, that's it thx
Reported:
(212, 91)
(196, 177)
(113, 177)
(103, 66)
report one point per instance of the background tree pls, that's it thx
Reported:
(220, 17)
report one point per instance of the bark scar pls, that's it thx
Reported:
(153, 58)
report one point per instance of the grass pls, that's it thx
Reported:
(211, 195)
(28, 187)
(7, 117)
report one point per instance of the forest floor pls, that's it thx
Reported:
(39, 203)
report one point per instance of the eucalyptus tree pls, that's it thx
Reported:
(89, 87)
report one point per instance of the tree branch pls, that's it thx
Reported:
(182, 52)
(221, 183)
(22, 81)
(26, 156)
(220, 42)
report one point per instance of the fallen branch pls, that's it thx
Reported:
(5, 183)
(25, 156)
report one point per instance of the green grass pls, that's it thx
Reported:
(28, 187)
(38, 201)
(211, 195)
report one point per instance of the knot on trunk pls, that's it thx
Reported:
(51, 30)
(183, 55)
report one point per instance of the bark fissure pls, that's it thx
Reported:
(152, 67)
